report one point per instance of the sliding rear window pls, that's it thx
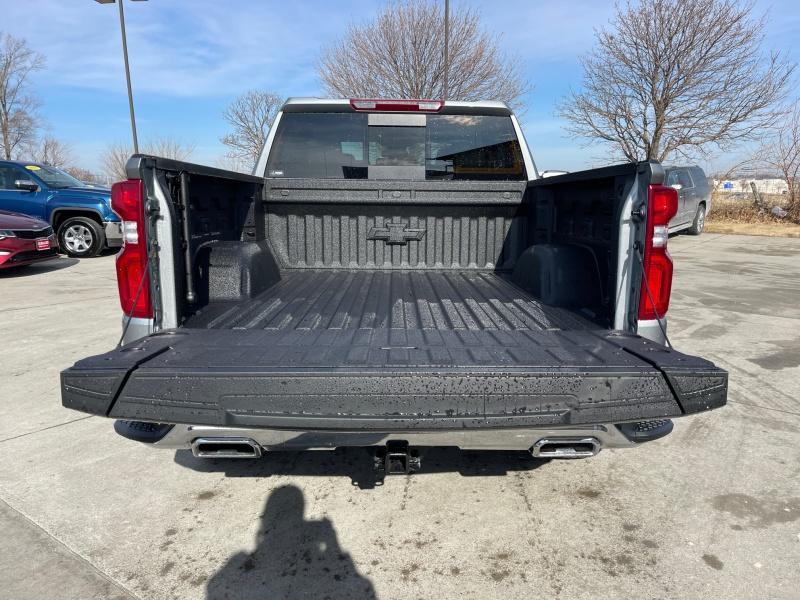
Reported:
(367, 146)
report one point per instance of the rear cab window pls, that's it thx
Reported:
(341, 145)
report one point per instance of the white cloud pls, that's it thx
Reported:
(212, 48)
(202, 48)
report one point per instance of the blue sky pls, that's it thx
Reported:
(190, 58)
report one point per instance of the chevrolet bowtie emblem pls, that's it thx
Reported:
(395, 233)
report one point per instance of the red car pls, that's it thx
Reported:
(24, 240)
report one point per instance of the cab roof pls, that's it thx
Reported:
(482, 107)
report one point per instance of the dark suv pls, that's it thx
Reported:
(694, 198)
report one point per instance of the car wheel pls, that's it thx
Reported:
(80, 237)
(699, 221)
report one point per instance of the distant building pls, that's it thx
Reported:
(741, 185)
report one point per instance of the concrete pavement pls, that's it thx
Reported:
(711, 511)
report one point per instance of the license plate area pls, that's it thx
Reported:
(43, 244)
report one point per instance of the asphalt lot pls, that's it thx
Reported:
(712, 511)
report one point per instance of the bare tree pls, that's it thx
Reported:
(400, 54)
(113, 160)
(51, 151)
(232, 163)
(168, 148)
(782, 154)
(250, 115)
(115, 156)
(676, 77)
(17, 104)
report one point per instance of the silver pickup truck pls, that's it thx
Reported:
(394, 274)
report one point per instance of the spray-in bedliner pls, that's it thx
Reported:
(381, 300)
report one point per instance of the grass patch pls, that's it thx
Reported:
(739, 214)
(791, 230)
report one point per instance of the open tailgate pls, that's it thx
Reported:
(393, 381)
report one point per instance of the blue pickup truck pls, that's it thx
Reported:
(80, 214)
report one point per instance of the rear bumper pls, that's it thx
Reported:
(16, 252)
(113, 231)
(182, 437)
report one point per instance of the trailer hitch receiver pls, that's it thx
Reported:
(397, 458)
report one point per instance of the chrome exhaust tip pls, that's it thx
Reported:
(566, 447)
(225, 448)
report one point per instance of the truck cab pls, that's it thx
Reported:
(80, 214)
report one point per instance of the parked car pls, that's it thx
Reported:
(25, 240)
(80, 215)
(694, 198)
(395, 274)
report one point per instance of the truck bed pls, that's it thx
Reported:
(442, 300)
(389, 319)
(388, 306)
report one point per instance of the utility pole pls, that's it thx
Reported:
(127, 69)
(446, 48)
(128, 76)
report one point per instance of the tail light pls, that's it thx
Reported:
(397, 105)
(127, 200)
(662, 205)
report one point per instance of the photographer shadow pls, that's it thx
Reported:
(294, 558)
